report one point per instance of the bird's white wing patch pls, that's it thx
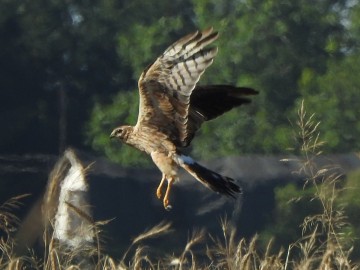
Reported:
(182, 159)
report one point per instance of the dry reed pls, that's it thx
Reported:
(322, 245)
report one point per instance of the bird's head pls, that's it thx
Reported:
(122, 133)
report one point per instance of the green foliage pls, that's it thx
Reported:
(326, 227)
(224, 137)
(47, 47)
(123, 110)
(137, 48)
(140, 46)
(334, 97)
(267, 45)
(292, 205)
(273, 46)
(350, 200)
(91, 50)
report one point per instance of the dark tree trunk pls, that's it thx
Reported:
(62, 118)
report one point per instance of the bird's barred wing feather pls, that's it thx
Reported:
(165, 86)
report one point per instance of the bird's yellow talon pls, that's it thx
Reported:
(158, 190)
(158, 193)
(167, 194)
(166, 203)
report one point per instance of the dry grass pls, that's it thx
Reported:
(322, 245)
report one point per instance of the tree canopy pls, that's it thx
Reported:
(68, 71)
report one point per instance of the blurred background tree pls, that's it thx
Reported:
(334, 94)
(68, 71)
(268, 45)
(56, 58)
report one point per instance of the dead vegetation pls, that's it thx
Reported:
(322, 245)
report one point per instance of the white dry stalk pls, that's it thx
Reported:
(71, 228)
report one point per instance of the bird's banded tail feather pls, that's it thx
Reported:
(213, 180)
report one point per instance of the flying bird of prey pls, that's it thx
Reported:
(173, 107)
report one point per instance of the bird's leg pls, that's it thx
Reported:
(158, 190)
(166, 197)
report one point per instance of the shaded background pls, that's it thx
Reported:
(68, 75)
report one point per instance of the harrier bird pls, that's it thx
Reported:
(172, 108)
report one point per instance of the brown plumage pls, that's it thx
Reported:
(172, 108)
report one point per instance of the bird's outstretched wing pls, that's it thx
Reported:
(211, 101)
(165, 86)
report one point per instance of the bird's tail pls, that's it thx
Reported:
(213, 180)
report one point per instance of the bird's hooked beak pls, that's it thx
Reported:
(112, 135)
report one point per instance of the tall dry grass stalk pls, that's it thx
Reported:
(140, 257)
(8, 226)
(9, 221)
(323, 245)
(230, 253)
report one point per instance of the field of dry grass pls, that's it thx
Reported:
(322, 245)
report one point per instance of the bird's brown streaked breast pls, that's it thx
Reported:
(149, 140)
